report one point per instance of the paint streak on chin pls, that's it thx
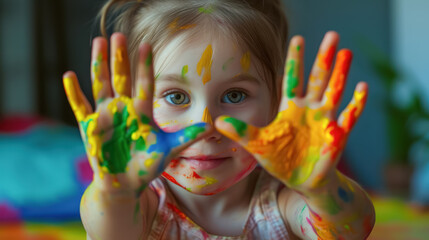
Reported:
(172, 179)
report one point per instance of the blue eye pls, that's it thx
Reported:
(177, 98)
(234, 97)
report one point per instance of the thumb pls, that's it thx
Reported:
(182, 139)
(236, 130)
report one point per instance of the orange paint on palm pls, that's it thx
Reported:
(354, 110)
(206, 64)
(120, 77)
(291, 145)
(338, 78)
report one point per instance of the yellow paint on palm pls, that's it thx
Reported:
(207, 117)
(245, 61)
(206, 64)
(97, 85)
(77, 104)
(289, 146)
(120, 72)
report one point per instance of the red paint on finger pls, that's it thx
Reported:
(338, 78)
(326, 58)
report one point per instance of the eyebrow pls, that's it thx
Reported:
(237, 78)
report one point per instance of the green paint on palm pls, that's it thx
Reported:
(142, 172)
(116, 151)
(149, 59)
(144, 119)
(240, 127)
(193, 131)
(292, 78)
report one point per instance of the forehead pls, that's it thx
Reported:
(220, 56)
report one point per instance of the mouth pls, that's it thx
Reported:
(204, 162)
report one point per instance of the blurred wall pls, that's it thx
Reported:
(410, 41)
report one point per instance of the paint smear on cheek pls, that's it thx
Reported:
(205, 64)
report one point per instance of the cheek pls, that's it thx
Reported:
(169, 119)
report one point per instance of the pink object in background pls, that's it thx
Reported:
(84, 170)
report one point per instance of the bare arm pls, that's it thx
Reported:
(119, 216)
(339, 210)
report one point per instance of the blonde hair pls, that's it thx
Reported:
(258, 26)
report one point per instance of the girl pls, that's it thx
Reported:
(210, 59)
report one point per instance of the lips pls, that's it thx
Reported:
(204, 162)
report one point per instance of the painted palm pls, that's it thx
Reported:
(124, 146)
(303, 143)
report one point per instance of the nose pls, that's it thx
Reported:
(207, 118)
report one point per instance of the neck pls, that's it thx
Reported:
(201, 207)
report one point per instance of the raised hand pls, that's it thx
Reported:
(126, 149)
(302, 145)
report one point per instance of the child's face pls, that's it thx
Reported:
(199, 83)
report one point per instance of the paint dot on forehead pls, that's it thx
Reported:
(184, 71)
(227, 63)
(206, 64)
(245, 62)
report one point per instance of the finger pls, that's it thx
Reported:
(294, 70)
(77, 100)
(121, 76)
(171, 144)
(322, 66)
(335, 89)
(236, 130)
(143, 91)
(101, 87)
(354, 109)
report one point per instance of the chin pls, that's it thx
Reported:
(206, 185)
